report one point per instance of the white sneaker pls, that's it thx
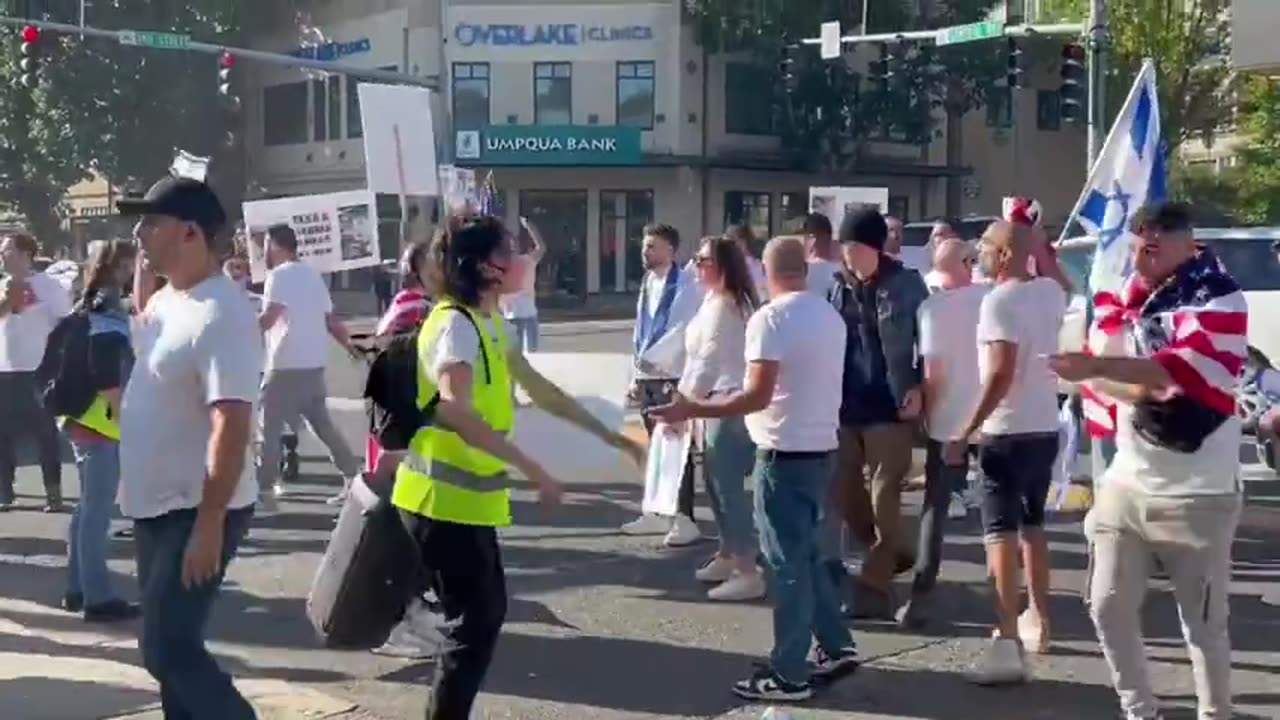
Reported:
(405, 643)
(647, 525)
(337, 500)
(958, 509)
(684, 531)
(1034, 636)
(1002, 664)
(719, 569)
(281, 490)
(739, 588)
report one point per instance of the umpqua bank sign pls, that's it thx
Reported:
(550, 34)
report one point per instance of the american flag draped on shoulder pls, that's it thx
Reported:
(488, 197)
(1129, 172)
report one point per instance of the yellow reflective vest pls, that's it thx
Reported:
(99, 419)
(442, 477)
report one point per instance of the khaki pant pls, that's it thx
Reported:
(881, 454)
(1192, 537)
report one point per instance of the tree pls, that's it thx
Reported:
(116, 110)
(829, 111)
(1258, 172)
(1187, 42)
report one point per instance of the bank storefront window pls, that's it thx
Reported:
(284, 114)
(553, 93)
(636, 94)
(750, 209)
(623, 215)
(561, 217)
(795, 208)
(470, 95)
(355, 123)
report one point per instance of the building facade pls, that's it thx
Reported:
(598, 118)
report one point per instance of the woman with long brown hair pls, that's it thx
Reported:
(95, 435)
(715, 343)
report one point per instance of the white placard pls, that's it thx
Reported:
(599, 382)
(668, 453)
(399, 140)
(831, 40)
(336, 231)
(836, 202)
(187, 165)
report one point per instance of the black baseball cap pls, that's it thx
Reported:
(182, 198)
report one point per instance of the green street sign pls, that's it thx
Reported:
(548, 145)
(971, 32)
(164, 41)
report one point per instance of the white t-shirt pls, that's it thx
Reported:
(24, 334)
(194, 348)
(805, 336)
(715, 343)
(457, 342)
(822, 277)
(1027, 314)
(300, 338)
(523, 304)
(949, 333)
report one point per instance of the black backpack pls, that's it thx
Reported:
(65, 376)
(391, 390)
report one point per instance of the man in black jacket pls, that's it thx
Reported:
(878, 298)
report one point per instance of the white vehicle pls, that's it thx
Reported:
(1248, 253)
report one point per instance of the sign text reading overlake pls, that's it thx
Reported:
(541, 144)
(551, 34)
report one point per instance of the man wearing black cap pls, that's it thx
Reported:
(878, 298)
(185, 423)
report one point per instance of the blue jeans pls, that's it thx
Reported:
(192, 686)
(99, 464)
(728, 458)
(527, 332)
(791, 491)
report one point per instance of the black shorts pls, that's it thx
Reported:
(1017, 471)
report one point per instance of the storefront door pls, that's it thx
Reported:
(561, 216)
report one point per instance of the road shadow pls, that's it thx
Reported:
(39, 698)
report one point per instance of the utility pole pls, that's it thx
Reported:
(1097, 79)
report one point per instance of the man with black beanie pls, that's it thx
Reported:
(878, 298)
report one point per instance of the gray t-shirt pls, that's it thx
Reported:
(194, 348)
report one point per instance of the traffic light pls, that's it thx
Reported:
(1073, 79)
(1014, 75)
(786, 66)
(228, 98)
(30, 63)
(878, 70)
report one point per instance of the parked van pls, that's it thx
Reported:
(1248, 253)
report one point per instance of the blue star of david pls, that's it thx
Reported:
(1095, 211)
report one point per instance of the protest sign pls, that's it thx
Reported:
(336, 231)
(399, 140)
(836, 202)
(458, 190)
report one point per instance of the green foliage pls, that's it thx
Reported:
(1186, 40)
(830, 110)
(1259, 152)
(117, 110)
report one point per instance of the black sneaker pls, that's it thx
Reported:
(915, 613)
(73, 602)
(55, 505)
(766, 685)
(111, 611)
(827, 667)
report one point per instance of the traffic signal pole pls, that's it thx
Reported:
(1097, 79)
(271, 58)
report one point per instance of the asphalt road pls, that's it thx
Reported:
(605, 626)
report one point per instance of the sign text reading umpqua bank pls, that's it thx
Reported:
(553, 34)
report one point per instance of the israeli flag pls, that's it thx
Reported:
(1129, 172)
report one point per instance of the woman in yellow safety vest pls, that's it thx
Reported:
(453, 495)
(95, 435)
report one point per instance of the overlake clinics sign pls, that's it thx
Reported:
(548, 145)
